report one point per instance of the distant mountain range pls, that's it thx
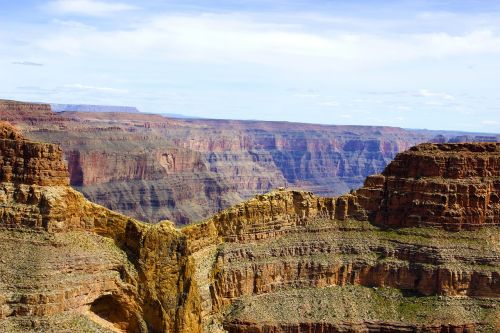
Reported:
(110, 108)
(152, 168)
(93, 108)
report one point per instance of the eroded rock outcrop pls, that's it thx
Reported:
(67, 262)
(29, 163)
(456, 186)
(153, 168)
(294, 242)
(286, 261)
(26, 112)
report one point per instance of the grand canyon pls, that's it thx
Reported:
(411, 245)
(153, 167)
(250, 166)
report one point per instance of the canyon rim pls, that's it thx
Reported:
(414, 249)
(324, 166)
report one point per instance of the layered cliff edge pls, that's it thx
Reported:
(415, 249)
(153, 168)
(68, 265)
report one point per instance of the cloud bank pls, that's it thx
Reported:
(88, 7)
(424, 64)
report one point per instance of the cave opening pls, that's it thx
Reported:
(110, 309)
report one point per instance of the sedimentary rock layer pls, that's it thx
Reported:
(360, 309)
(281, 250)
(63, 255)
(456, 186)
(154, 168)
(286, 261)
(28, 162)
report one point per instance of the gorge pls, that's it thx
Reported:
(153, 168)
(415, 249)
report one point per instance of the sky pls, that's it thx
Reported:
(431, 64)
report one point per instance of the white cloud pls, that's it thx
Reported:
(441, 45)
(69, 24)
(330, 103)
(437, 95)
(490, 122)
(226, 38)
(88, 7)
(82, 87)
(306, 94)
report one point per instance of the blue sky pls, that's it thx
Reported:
(415, 64)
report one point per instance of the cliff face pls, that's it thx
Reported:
(68, 264)
(455, 186)
(282, 261)
(29, 163)
(30, 113)
(286, 261)
(154, 168)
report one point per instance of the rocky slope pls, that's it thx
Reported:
(152, 168)
(69, 265)
(286, 261)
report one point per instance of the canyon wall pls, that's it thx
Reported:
(415, 249)
(285, 261)
(152, 168)
(449, 185)
(70, 265)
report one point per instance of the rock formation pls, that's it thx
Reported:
(283, 260)
(449, 185)
(30, 163)
(65, 260)
(151, 167)
(416, 249)
(93, 108)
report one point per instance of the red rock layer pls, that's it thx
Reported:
(422, 279)
(451, 161)
(26, 112)
(249, 327)
(455, 186)
(28, 162)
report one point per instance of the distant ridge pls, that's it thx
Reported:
(180, 116)
(110, 108)
(93, 108)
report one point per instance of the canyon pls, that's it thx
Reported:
(153, 168)
(64, 257)
(415, 249)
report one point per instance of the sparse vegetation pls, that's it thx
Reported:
(355, 304)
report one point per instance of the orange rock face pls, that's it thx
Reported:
(29, 163)
(67, 262)
(154, 168)
(286, 261)
(7, 131)
(455, 186)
